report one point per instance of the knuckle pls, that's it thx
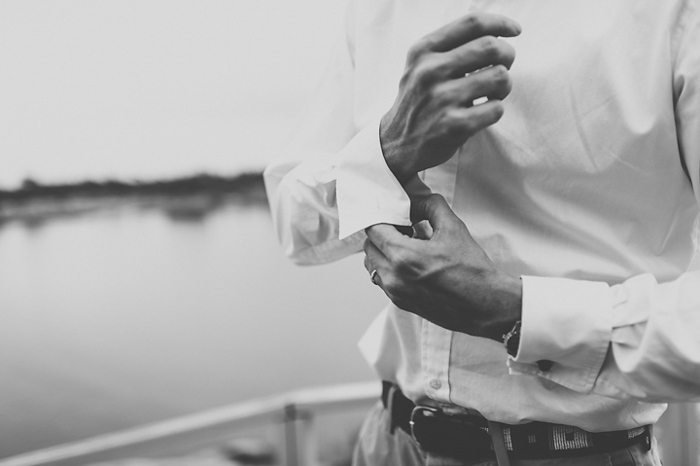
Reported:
(498, 110)
(490, 47)
(454, 124)
(409, 266)
(430, 64)
(495, 113)
(453, 116)
(391, 287)
(384, 244)
(403, 265)
(441, 68)
(501, 77)
(406, 78)
(474, 23)
(500, 73)
(403, 269)
(509, 55)
(436, 202)
(389, 283)
(436, 96)
(390, 246)
(422, 72)
(418, 49)
(414, 52)
(399, 260)
(422, 69)
(442, 97)
(470, 126)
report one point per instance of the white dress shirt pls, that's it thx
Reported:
(587, 188)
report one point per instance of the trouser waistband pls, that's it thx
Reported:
(467, 435)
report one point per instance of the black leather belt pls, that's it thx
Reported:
(466, 436)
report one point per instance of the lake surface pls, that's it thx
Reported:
(115, 319)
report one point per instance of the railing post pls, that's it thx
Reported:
(291, 445)
(299, 448)
(678, 435)
(692, 433)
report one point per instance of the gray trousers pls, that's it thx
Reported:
(377, 446)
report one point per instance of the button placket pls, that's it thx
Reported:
(436, 345)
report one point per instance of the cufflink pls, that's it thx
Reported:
(545, 364)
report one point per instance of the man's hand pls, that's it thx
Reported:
(445, 72)
(446, 278)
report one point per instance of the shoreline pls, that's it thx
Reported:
(189, 198)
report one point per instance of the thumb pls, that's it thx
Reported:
(435, 210)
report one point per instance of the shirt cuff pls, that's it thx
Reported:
(367, 191)
(568, 322)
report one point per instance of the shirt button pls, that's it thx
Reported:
(435, 384)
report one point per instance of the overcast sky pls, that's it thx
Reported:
(154, 88)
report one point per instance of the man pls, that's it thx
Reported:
(576, 169)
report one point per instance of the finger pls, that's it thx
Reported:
(493, 82)
(462, 123)
(368, 265)
(375, 260)
(386, 238)
(480, 53)
(423, 230)
(435, 210)
(468, 28)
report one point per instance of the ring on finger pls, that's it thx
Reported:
(373, 276)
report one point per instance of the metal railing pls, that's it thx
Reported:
(293, 411)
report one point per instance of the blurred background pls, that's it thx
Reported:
(162, 293)
(121, 308)
(153, 88)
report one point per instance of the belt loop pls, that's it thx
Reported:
(390, 408)
(499, 444)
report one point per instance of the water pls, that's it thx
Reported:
(116, 319)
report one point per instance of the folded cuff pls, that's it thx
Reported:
(568, 322)
(367, 191)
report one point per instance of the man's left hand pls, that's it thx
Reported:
(445, 276)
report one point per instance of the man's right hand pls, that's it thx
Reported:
(446, 71)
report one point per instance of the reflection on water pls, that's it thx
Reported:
(131, 315)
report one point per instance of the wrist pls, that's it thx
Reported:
(391, 151)
(504, 307)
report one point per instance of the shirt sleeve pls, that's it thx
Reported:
(639, 339)
(332, 181)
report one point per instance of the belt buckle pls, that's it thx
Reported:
(417, 415)
(450, 435)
